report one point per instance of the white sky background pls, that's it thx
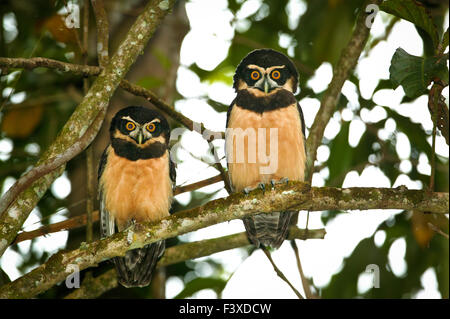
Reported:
(207, 44)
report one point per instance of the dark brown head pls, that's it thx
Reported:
(139, 133)
(266, 70)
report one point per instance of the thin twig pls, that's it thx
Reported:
(36, 62)
(90, 196)
(221, 170)
(197, 185)
(280, 273)
(71, 223)
(433, 153)
(305, 281)
(437, 230)
(19, 75)
(134, 89)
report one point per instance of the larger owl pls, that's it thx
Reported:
(136, 181)
(265, 138)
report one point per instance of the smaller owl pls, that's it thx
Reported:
(136, 182)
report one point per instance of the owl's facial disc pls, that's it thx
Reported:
(265, 80)
(141, 133)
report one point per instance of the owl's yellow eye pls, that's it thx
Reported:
(151, 127)
(130, 126)
(275, 75)
(255, 75)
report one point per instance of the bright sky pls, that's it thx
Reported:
(206, 45)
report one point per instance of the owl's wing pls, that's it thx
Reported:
(173, 173)
(106, 222)
(230, 108)
(302, 120)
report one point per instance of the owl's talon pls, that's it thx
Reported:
(283, 180)
(262, 186)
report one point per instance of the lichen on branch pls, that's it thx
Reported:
(291, 196)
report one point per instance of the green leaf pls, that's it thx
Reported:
(415, 73)
(198, 284)
(224, 75)
(383, 84)
(414, 12)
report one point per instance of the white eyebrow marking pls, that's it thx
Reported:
(155, 120)
(253, 66)
(128, 118)
(268, 70)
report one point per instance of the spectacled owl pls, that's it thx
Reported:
(136, 181)
(265, 138)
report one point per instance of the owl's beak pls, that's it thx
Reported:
(140, 137)
(266, 86)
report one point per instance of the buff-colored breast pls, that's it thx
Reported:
(139, 190)
(287, 154)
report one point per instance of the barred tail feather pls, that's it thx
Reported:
(268, 229)
(135, 269)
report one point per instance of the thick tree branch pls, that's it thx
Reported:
(96, 287)
(293, 196)
(341, 72)
(94, 102)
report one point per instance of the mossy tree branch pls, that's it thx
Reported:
(95, 287)
(292, 196)
(92, 104)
